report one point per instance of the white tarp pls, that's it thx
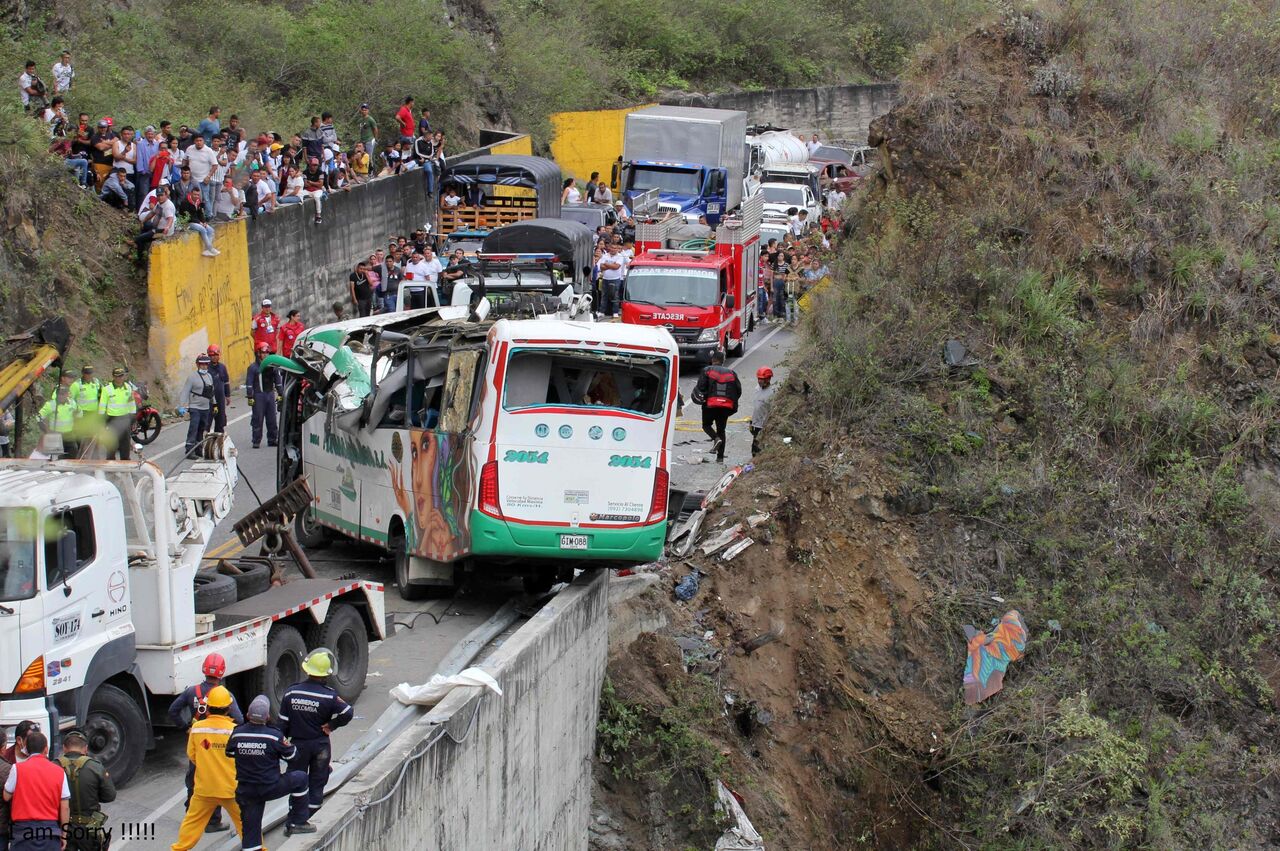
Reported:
(436, 688)
(740, 835)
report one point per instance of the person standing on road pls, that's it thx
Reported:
(39, 799)
(309, 713)
(117, 404)
(258, 748)
(265, 328)
(58, 415)
(197, 399)
(189, 707)
(612, 265)
(760, 410)
(91, 787)
(17, 750)
(263, 385)
(717, 391)
(215, 775)
(5, 768)
(222, 378)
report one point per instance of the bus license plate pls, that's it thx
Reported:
(573, 542)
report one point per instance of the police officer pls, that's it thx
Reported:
(257, 749)
(189, 707)
(91, 787)
(117, 405)
(309, 712)
(215, 779)
(717, 391)
(85, 392)
(218, 370)
(262, 384)
(58, 415)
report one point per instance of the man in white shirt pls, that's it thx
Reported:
(158, 221)
(203, 162)
(603, 194)
(836, 199)
(230, 202)
(29, 87)
(63, 74)
(419, 273)
(124, 155)
(266, 200)
(813, 144)
(612, 268)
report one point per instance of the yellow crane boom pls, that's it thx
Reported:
(26, 357)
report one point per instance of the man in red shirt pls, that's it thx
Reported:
(406, 120)
(289, 332)
(39, 799)
(266, 327)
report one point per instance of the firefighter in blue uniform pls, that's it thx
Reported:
(309, 712)
(258, 748)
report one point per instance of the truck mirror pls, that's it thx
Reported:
(66, 558)
(729, 301)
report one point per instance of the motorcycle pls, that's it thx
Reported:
(146, 423)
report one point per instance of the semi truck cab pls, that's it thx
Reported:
(686, 189)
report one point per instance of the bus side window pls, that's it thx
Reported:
(458, 386)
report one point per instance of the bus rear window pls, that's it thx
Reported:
(575, 378)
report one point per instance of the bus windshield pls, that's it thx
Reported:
(665, 180)
(587, 379)
(659, 285)
(17, 553)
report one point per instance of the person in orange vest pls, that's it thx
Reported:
(39, 799)
(265, 327)
(215, 780)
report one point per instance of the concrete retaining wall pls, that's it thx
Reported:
(299, 264)
(481, 772)
(833, 112)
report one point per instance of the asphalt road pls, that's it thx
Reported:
(427, 630)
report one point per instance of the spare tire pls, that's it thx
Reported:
(253, 579)
(213, 591)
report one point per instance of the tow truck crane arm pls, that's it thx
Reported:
(27, 356)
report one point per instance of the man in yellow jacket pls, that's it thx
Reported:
(215, 780)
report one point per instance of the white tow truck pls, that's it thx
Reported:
(105, 614)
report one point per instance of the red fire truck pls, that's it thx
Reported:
(704, 293)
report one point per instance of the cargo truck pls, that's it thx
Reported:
(695, 158)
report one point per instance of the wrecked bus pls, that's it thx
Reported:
(496, 448)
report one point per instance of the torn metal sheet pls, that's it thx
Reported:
(756, 520)
(695, 527)
(990, 655)
(722, 540)
(736, 549)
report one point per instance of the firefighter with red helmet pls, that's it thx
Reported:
(218, 370)
(189, 706)
(717, 391)
(263, 384)
(760, 411)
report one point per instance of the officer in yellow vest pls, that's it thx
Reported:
(117, 405)
(85, 393)
(59, 416)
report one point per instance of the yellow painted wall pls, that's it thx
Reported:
(196, 300)
(589, 141)
(521, 144)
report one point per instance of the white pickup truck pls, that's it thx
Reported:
(99, 597)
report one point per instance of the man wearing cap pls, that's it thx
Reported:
(102, 141)
(117, 404)
(265, 327)
(215, 775)
(367, 127)
(147, 149)
(58, 415)
(91, 787)
(39, 799)
(84, 395)
(258, 748)
(309, 712)
(198, 395)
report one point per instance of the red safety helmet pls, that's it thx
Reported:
(214, 665)
(263, 347)
(764, 372)
(214, 349)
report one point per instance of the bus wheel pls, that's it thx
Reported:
(408, 591)
(540, 582)
(309, 533)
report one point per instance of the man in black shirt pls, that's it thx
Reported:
(361, 290)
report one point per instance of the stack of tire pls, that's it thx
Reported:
(214, 590)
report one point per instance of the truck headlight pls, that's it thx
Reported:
(709, 335)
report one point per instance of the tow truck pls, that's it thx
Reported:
(703, 297)
(105, 613)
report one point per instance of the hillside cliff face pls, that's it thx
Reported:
(1082, 195)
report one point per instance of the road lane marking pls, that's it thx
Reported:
(153, 816)
(182, 447)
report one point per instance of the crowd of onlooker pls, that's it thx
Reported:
(192, 176)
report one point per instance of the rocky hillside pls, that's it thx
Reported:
(1082, 198)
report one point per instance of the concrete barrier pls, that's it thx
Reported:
(482, 772)
(196, 300)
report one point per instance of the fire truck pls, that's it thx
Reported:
(700, 290)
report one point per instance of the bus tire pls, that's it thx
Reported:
(283, 668)
(408, 591)
(343, 632)
(117, 732)
(309, 533)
